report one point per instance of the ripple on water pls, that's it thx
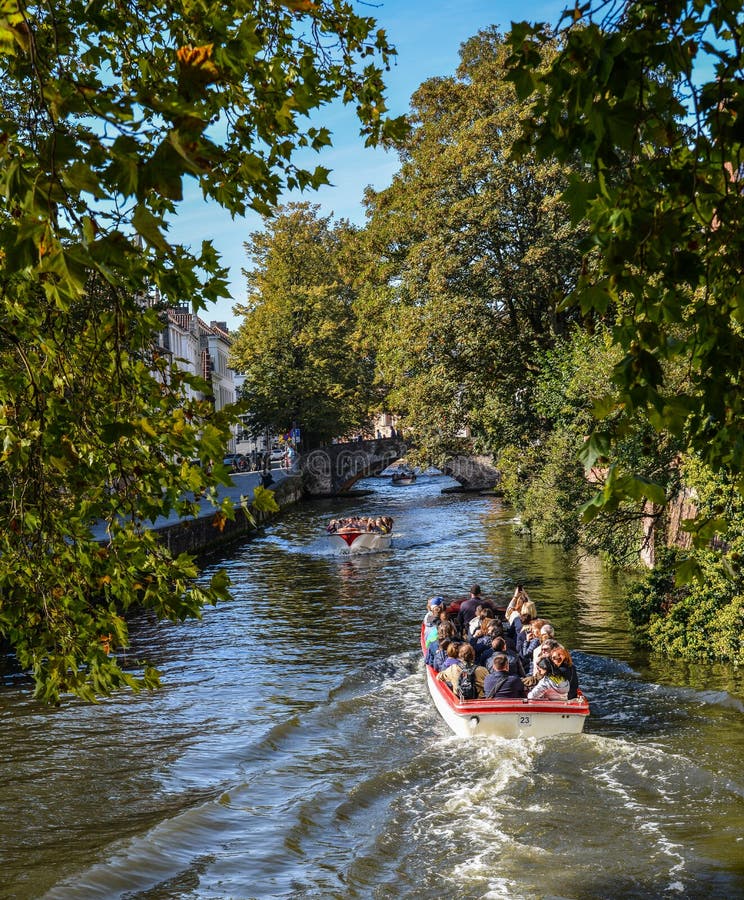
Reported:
(294, 751)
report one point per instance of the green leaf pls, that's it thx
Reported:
(148, 227)
(82, 178)
(592, 508)
(578, 195)
(687, 570)
(596, 447)
(638, 487)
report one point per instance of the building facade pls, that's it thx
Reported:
(203, 350)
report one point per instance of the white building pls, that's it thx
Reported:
(202, 350)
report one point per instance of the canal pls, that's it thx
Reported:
(294, 752)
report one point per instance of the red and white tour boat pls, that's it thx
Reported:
(364, 537)
(505, 718)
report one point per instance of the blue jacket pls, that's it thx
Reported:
(526, 654)
(482, 647)
(515, 665)
(508, 686)
(438, 660)
(515, 627)
(522, 639)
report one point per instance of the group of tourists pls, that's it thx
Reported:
(483, 651)
(371, 524)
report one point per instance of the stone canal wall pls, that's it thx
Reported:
(203, 536)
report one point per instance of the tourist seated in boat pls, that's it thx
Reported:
(483, 611)
(445, 630)
(481, 641)
(447, 615)
(547, 640)
(442, 612)
(434, 606)
(485, 651)
(481, 623)
(544, 650)
(531, 643)
(466, 660)
(561, 658)
(553, 685)
(498, 645)
(496, 630)
(474, 623)
(431, 646)
(431, 633)
(495, 627)
(500, 684)
(519, 594)
(442, 659)
(453, 655)
(438, 614)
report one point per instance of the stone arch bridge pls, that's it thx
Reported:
(335, 469)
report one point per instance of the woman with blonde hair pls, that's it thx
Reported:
(514, 620)
(528, 609)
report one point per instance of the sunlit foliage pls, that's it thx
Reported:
(107, 111)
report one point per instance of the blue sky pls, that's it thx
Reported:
(427, 35)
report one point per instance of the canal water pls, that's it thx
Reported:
(294, 752)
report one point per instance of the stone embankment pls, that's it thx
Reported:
(207, 533)
(203, 536)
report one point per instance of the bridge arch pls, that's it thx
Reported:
(335, 469)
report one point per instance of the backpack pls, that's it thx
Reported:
(466, 689)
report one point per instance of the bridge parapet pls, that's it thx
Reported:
(335, 469)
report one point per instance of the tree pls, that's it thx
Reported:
(296, 343)
(650, 95)
(106, 110)
(475, 256)
(545, 479)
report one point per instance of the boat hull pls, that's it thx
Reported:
(506, 718)
(359, 541)
(403, 480)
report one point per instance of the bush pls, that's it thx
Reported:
(700, 620)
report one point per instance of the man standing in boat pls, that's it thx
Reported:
(468, 607)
